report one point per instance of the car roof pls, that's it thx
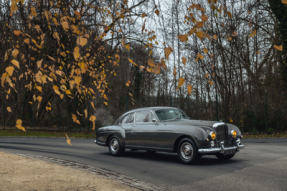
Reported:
(143, 109)
(152, 108)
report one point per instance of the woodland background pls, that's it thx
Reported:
(241, 79)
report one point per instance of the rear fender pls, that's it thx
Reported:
(105, 133)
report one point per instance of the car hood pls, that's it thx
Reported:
(203, 124)
(196, 123)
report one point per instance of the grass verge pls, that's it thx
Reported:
(35, 133)
(275, 135)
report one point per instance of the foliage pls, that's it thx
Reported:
(62, 60)
(60, 48)
(279, 9)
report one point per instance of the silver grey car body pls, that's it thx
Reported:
(155, 134)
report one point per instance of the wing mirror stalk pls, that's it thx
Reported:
(154, 121)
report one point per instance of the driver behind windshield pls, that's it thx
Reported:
(170, 114)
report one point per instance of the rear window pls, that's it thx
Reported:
(129, 118)
(142, 116)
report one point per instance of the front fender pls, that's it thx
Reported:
(233, 127)
(196, 134)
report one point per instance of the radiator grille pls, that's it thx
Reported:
(222, 134)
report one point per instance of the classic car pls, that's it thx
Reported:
(169, 129)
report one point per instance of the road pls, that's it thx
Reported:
(262, 165)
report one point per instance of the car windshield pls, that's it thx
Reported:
(170, 114)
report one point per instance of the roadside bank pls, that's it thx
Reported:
(20, 173)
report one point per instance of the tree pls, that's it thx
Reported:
(279, 8)
(61, 49)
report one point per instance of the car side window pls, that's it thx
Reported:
(160, 115)
(128, 118)
(142, 116)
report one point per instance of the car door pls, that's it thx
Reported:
(144, 131)
(127, 123)
(166, 134)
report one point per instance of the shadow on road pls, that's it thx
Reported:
(172, 158)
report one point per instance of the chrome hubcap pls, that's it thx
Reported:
(114, 145)
(186, 151)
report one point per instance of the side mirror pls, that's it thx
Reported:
(153, 120)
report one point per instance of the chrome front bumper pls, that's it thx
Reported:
(99, 143)
(221, 149)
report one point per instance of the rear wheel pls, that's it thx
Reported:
(187, 151)
(115, 147)
(224, 157)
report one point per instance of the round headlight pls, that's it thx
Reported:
(212, 135)
(233, 133)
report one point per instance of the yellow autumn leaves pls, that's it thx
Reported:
(181, 81)
(189, 88)
(76, 52)
(68, 139)
(183, 37)
(10, 70)
(40, 77)
(280, 48)
(81, 41)
(19, 125)
(92, 118)
(167, 52)
(15, 63)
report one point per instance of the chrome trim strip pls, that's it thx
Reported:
(210, 150)
(145, 148)
(218, 124)
(222, 147)
(241, 146)
(219, 150)
(102, 144)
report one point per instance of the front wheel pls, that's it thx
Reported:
(187, 151)
(224, 157)
(115, 147)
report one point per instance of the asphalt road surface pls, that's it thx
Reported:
(262, 165)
